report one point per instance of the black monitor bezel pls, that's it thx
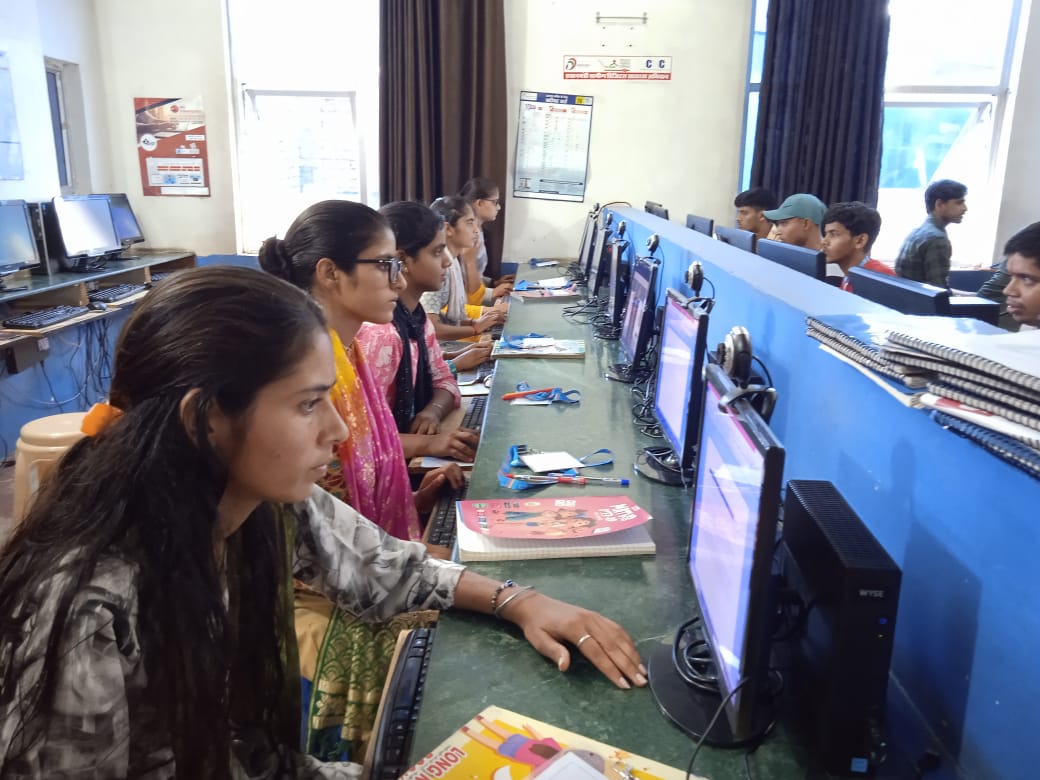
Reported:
(909, 296)
(657, 209)
(699, 224)
(740, 707)
(684, 459)
(798, 258)
(594, 266)
(737, 238)
(646, 324)
(615, 292)
(125, 241)
(90, 254)
(13, 267)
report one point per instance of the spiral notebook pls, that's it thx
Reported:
(1004, 447)
(1013, 357)
(1004, 403)
(982, 417)
(860, 337)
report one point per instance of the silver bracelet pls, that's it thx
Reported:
(511, 596)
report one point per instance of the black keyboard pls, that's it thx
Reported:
(496, 331)
(44, 317)
(392, 735)
(115, 293)
(443, 519)
(474, 416)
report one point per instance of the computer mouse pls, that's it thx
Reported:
(97, 306)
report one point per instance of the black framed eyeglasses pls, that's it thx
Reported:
(391, 264)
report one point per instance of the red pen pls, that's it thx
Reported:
(525, 393)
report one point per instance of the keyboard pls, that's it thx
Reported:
(44, 317)
(392, 735)
(115, 293)
(474, 416)
(441, 527)
(496, 331)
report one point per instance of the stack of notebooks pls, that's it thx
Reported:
(982, 383)
(513, 529)
(539, 347)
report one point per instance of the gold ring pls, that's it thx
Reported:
(582, 639)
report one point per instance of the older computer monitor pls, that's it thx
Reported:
(17, 239)
(128, 231)
(678, 391)
(705, 225)
(806, 261)
(593, 271)
(656, 209)
(741, 239)
(895, 292)
(85, 229)
(637, 326)
(617, 290)
(723, 657)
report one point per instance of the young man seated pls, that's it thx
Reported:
(926, 252)
(798, 220)
(750, 205)
(849, 231)
(1023, 266)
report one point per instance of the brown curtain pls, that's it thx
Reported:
(442, 101)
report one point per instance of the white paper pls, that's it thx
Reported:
(553, 284)
(432, 462)
(535, 343)
(541, 462)
(468, 391)
(528, 401)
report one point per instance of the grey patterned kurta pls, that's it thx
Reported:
(104, 725)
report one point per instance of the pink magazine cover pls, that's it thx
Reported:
(551, 518)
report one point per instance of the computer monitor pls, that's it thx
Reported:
(86, 230)
(637, 326)
(128, 231)
(617, 289)
(807, 261)
(588, 238)
(705, 225)
(656, 209)
(599, 244)
(895, 292)
(741, 239)
(733, 529)
(17, 240)
(678, 391)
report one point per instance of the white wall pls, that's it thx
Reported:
(20, 38)
(677, 142)
(150, 48)
(1019, 200)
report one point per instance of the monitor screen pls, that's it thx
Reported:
(17, 242)
(895, 292)
(599, 241)
(741, 239)
(85, 222)
(797, 258)
(680, 365)
(656, 209)
(127, 230)
(616, 288)
(636, 325)
(732, 542)
(705, 225)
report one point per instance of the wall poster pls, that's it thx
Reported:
(552, 146)
(171, 146)
(11, 166)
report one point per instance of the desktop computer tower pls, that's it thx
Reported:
(848, 587)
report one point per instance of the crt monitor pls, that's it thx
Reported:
(895, 292)
(17, 239)
(705, 225)
(724, 656)
(85, 224)
(678, 390)
(128, 231)
(656, 209)
(741, 239)
(797, 258)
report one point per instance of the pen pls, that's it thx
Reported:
(524, 393)
(607, 480)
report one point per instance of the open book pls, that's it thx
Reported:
(498, 744)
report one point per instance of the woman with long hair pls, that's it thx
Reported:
(145, 620)
(404, 355)
(486, 199)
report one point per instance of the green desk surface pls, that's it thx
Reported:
(477, 661)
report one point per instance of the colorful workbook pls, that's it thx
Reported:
(501, 745)
(511, 529)
(540, 294)
(539, 348)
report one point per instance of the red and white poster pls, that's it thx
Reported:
(171, 146)
(626, 67)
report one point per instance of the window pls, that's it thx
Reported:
(946, 83)
(306, 113)
(59, 124)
